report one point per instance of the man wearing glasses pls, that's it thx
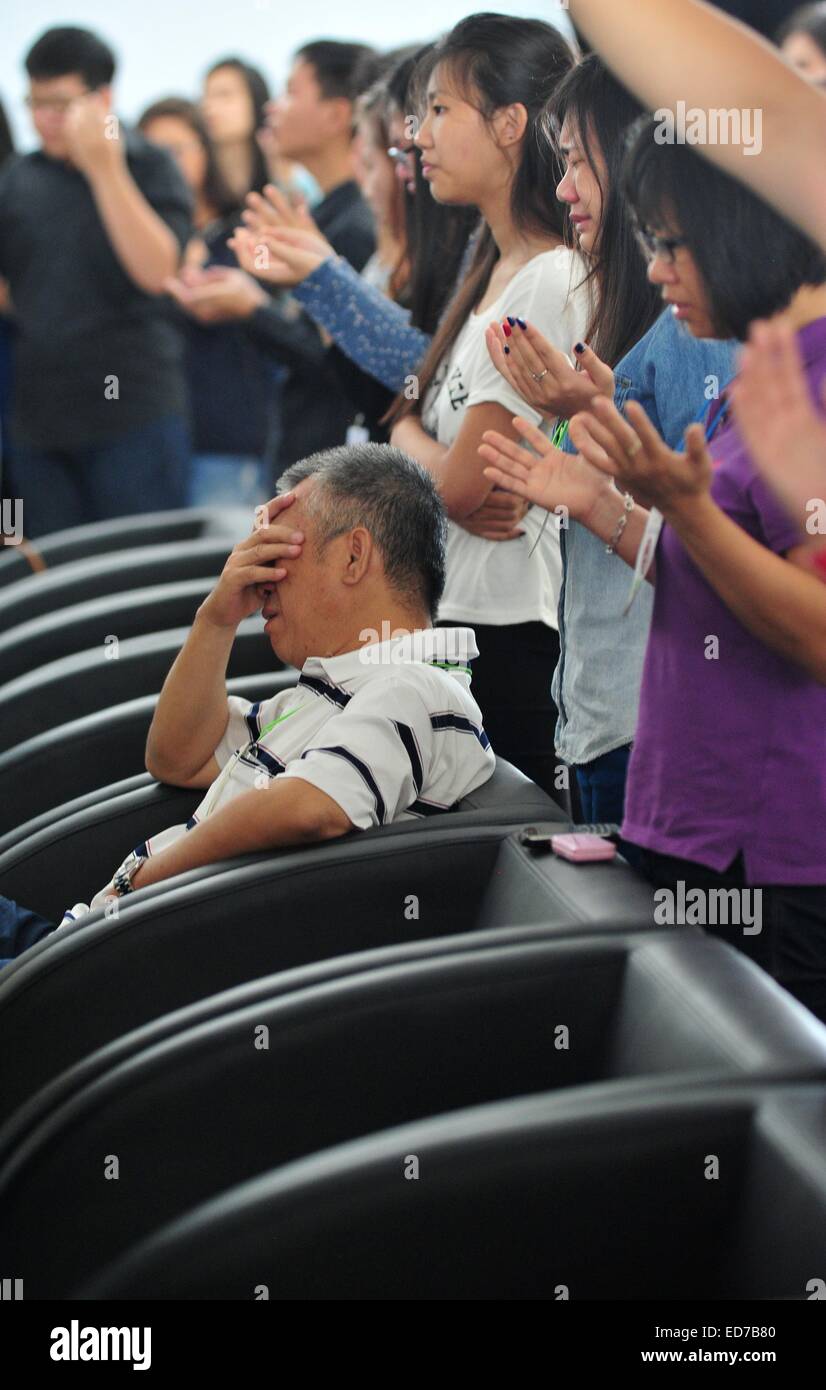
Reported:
(91, 225)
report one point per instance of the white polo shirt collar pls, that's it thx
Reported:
(451, 648)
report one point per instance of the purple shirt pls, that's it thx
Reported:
(730, 754)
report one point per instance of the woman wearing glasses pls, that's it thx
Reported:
(727, 782)
(656, 362)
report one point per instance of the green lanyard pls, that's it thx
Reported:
(226, 772)
(279, 720)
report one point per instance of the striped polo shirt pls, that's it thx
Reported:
(389, 731)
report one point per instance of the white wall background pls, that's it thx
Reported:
(165, 46)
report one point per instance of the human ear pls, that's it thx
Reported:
(510, 124)
(358, 554)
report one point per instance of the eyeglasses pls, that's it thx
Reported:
(659, 247)
(57, 104)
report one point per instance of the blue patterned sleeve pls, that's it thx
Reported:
(369, 328)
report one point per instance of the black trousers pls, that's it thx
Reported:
(512, 686)
(791, 945)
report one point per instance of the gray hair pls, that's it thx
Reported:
(387, 492)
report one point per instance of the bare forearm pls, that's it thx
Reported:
(191, 714)
(141, 240)
(778, 602)
(683, 50)
(285, 813)
(462, 491)
(604, 520)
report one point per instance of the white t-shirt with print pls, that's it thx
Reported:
(501, 582)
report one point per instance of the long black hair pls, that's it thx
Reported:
(600, 109)
(751, 259)
(496, 61)
(215, 190)
(256, 85)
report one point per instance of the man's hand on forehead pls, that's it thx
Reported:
(268, 511)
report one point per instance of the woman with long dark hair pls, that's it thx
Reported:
(177, 125)
(727, 782)
(234, 104)
(484, 88)
(230, 382)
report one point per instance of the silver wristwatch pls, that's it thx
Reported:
(122, 881)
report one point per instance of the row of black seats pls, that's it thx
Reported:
(418, 1062)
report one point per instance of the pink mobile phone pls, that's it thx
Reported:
(582, 849)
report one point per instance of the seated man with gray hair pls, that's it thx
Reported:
(348, 567)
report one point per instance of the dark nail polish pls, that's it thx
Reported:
(507, 330)
(579, 347)
(507, 349)
(511, 321)
(522, 323)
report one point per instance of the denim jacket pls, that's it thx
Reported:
(596, 686)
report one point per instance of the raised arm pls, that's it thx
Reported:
(192, 711)
(667, 51)
(145, 246)
(368, 327)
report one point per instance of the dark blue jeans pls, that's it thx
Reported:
(602, 786)
(602, 793)
(19, 929)
(144, 470)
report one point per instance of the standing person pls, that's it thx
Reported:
(727, 781)
(233, 106)
(91, 226)
(656, 362)
(231, 383)
(487, 84)
(314, 123)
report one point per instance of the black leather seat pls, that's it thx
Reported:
(83, 761)
(54, 863)
(79, 762)
(571, 1196)
(214, 928)
(85, 682)
(94, 623)
(82, 580)
(126, 533)
(301, 1071)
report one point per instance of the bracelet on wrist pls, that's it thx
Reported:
(627, 508)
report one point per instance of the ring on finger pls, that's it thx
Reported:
(537, 376)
